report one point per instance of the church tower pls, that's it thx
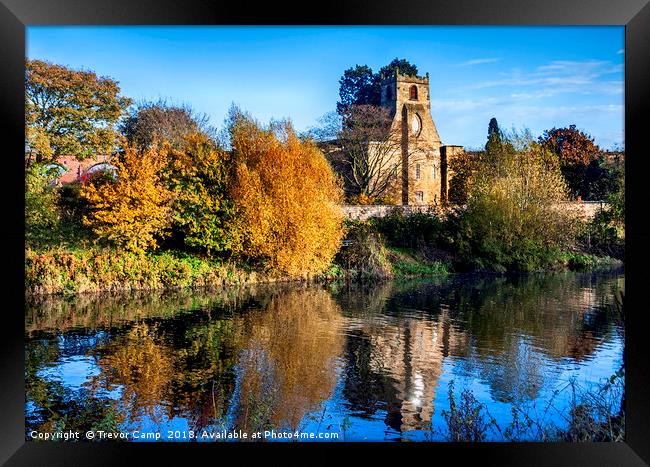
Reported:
(424, 175)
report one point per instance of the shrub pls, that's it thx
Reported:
(366, 255)
(410, 231)
(286, 196)
(41, 213)
(133, 211)
(200, 177)
(604, 235)
(514, 218)
(467, 420)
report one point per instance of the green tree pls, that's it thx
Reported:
(463, 167)
(514, 218)
(497, 148)
(360, 86)
(403, 66)
(494, 135)
(602, 179)
(41, 213)
(200, 177)
(69, 112)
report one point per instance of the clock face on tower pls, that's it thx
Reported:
(416, 125)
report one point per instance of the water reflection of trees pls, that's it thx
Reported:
(516, 323)
(191, 356)
(254, 358)
(162, 353)
(104, 311)
(141, 366)
(53, 406)
(502, 329)
(287, 365)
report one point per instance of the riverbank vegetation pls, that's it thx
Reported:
(594, 415)
(185, 205)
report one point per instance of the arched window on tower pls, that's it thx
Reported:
(413, 93)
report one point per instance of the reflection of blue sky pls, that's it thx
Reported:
(557, 375)
(523, 367)
(71, 371)
(331, 417)
(30, 409)
(74, 371)
(161, 425)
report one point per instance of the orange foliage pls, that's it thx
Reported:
(288, 367)
(133, 211)
(287, 199)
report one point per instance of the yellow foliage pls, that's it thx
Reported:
(287, 198)
(288, 367)
(362, 199)
(515, 214)
(133, 211)
(142, 366)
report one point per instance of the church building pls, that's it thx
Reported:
(424, 178)
(413, 155)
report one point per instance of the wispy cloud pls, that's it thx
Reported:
(443, 106)
(620, 51)
(561, 76)
(478, 61)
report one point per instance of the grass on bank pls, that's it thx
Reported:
(69, 271)
(398, 246)
(406, 262)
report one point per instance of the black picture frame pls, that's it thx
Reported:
(15, 15)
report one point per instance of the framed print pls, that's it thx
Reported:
(405, 229)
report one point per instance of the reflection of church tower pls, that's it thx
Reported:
(399, 362)
(424, 177)
(413, 350)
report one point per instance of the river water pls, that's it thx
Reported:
(330, 362)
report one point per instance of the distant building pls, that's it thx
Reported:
(71, 169)
(423, 159)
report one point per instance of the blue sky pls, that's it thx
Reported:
(533, 77)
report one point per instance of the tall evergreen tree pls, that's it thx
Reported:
(495, 148)
(403, 66)
(360, 86)
(494, 139)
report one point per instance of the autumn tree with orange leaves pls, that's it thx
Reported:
(575, 150)
(287, 198)
(133, 211)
